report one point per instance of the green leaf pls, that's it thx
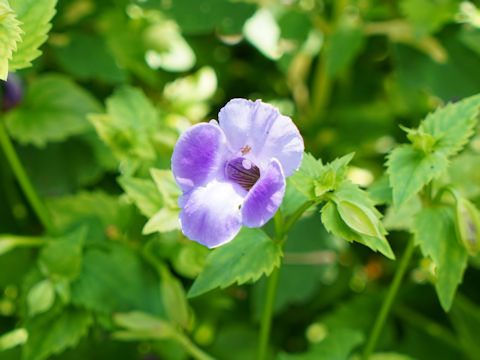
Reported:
(465, 316)
(87, 56)
(62, 259)
(54, 108)
(174, 300)
(434, 231)
(13, 338)
(143, 192)
(167, 186)
(338, 345)
(10, 36)
(314, 179)
(246, 258)
(53, 332)
(141, 326)
(343, 45)
(106, 216)
(166, 219)
(131, 127)
(429, 16)
(41, 297)
(115, 279)
(453, 124)
(390, 356)
(409, 170)
(35, 17)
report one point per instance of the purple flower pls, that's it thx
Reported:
(233, 172)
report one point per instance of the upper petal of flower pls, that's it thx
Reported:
(267, 133)
(265, 197)
(198, 155)
(211, 215)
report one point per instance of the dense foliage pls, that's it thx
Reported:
(93, 263)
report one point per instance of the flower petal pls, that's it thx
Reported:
(198, 155)
(267, 133)
(211, 215)
(265, 197)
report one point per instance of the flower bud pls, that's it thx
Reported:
(12, 92)
(359, 218)
(467, 224)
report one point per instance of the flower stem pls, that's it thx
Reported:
(388, 301)
(266, 322)
(191, 348)
(24, 181)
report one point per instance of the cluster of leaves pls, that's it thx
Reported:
(119, 80)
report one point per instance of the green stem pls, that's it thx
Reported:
(266, 322)
(321, 88)
(388, 301)
(24, 181)
(191, 348)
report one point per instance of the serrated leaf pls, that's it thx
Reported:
(453, 124)
(314, 179)
(62, 258)
(53, 332)
(35, 17)
(246, 258)
(338, 345)
(114, 278)
(54, 108)
(144, 194)
(409, 170)
(10, 36)
(41, 297)
(334, 224)
(130, 125)
(434, 231)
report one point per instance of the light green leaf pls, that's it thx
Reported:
(144, 194)
(390, 356)
(246, 258)
(343, 45)
(141, 326)
(453, 124)
(53, 332)
(314, 179)
(434, 231)
(41, 297)
(338, 345)
(54, 108)
(35, 17)
(10, 36)
(166, 219)
(429, 16)
(131, 127)
(13, 338)
(167, 186)
(409, 170)
(62, 259)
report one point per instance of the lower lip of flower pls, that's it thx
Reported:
(243, 172)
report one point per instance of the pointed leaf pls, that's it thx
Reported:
(54, 108)
(10, 36)
(35, 17)
(41, 297)
(409, 170)
(246, 258)
(434, 231)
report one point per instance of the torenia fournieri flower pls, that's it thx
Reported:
(232, 172)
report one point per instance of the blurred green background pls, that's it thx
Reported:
(119, 80)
